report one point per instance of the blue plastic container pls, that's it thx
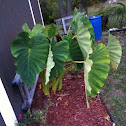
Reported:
(97, 25)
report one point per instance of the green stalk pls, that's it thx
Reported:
(60, 85)
(45, 86)
(68, 30)
(54, 84)
(74, 37)
(46, 89)
(60, 78)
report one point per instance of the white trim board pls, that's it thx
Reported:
(6, 109)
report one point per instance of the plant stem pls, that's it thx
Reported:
(74, 37)
(60, 36)
(60, 78)
(54, 84)
(68, 30)
(45, 86)
(42, 75)
(60, 84)
(76, 62)
(46, 89)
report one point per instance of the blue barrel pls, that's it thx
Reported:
(97, 25)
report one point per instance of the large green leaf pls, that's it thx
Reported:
(87, 68)
(52, 31)
(31, 55)
(50, 64)
(100, 69)
(74, 23)
(38, 28)
(83, 35)
(25, 28)
(88, 24)
(83, 38)
(74, 51)
(60, 54)
(115, 51)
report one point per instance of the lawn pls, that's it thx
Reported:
(114, 91)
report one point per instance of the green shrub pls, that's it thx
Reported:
(116, 14)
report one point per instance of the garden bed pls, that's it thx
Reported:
(68, 107)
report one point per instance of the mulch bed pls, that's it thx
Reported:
(69, 105)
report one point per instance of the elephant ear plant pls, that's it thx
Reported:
(31, 51)
(36, 49)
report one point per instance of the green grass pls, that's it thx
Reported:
(114, 90)
(119, 113)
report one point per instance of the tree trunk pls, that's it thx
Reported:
(85, 5)
(61, 8)
(68, 7)
(81, 6)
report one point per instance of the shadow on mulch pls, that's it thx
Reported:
(68, 107)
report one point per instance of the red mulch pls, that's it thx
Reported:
(70, 109)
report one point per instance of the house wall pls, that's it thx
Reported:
(13, 14)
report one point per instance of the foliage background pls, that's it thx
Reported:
(50, 8)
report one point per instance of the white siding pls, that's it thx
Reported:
(6, 109)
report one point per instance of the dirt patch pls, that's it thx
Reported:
(69, 105)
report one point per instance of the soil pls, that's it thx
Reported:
(68, 107)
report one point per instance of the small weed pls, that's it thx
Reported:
(38, 116)
(25, 120)
(21, 124)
